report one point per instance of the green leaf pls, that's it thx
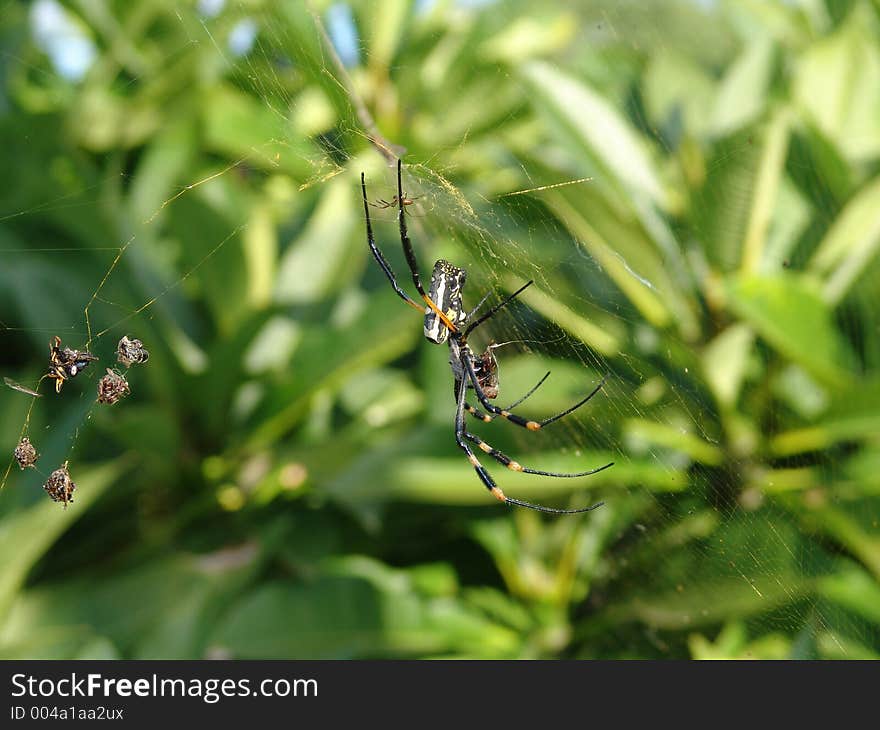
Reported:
(836, 84)
(770, 171)
(855, 589)
(157, 610)
(238, 125)
(636, 286)
(579, 327)
(789, 313)
(724, 362)
(328, 356)
(528, 37)
(386, 25)
(358, 608)
(704, 605)
(742, 94)
(851, 244)
(314, 263)
(161, 168)
(27, 534)
(661, 434)
(598, 129)
(853, 414)
(847, 530)
(678, 89)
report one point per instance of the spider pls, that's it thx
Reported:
(382, 203)
(66, 363)
(446, 321)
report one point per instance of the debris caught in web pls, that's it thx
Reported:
(112, 388)
(21, 388)
(25, 453)
(130, 351)
(59, 486)
(65, 363)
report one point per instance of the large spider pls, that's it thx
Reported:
(447, 321)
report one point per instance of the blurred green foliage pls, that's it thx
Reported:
(283, 481)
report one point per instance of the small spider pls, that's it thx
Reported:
(65, 364)
(112, 388)
(447, 321)
(132, 351)
(25, 453)
(59, 486)
(383, 204)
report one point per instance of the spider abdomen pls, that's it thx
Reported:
(447, 281)
(485, 368)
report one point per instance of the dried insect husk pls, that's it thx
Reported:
(25, 453)
(65, 363)
(112, 388)
(130, 351)
(59, 486)
(487, 372)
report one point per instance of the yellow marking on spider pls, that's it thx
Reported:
(482, 416)
(533, 425)
(485, 447)
(498, 494)
(515, 466)
(473, 460)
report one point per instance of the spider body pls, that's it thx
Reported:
(446, 321)
(65, 363)
(381, 203)
(447, 281)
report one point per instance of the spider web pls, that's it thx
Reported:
(587, 316)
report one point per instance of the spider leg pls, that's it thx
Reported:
(478, 414)
(380, 259)
(485, 477)
(411, 255)
(513, 465)
(404, 237)
(481, 303)
(468, 365)
(494, 310)
(488, 419)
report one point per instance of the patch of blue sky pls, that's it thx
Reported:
(343, 33)
(210, 8)
(63, 39)
(242, 37)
